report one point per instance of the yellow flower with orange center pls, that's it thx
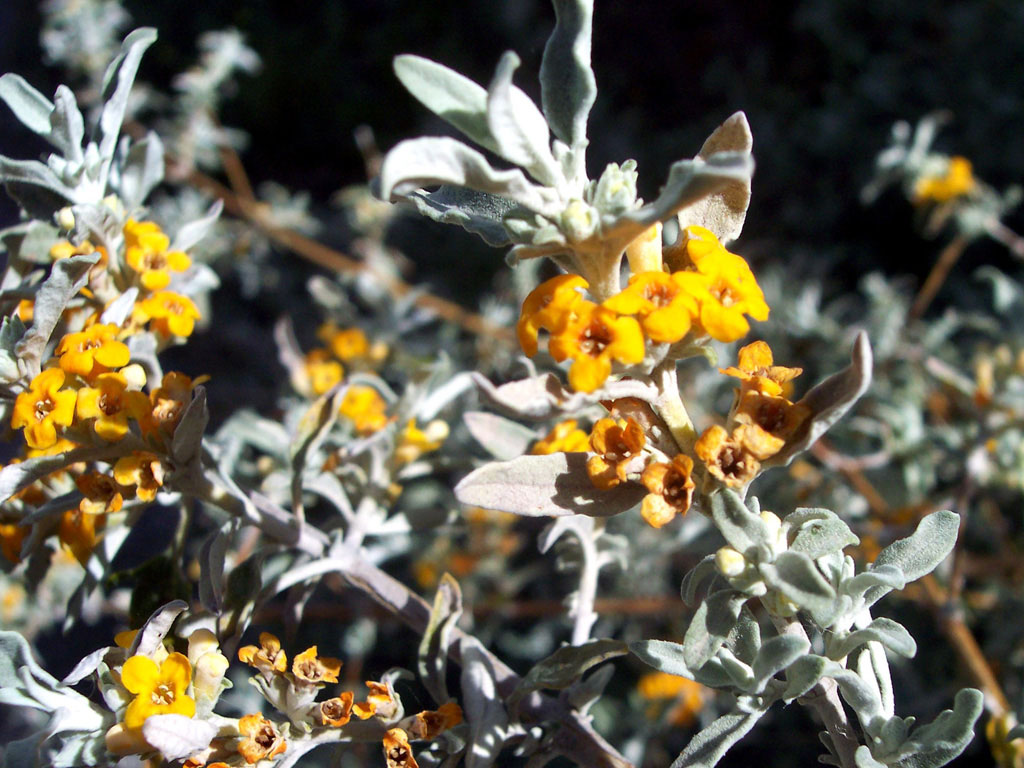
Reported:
(159, 690)
(80, 532)
(428, 724)
(549, 306)
(320, 372)
(776, 417)
(670, 490)
(726, 456)
(337, 712)
(397, 752)
(757, 370)
(143, 470)
(146, 252)
(957, 181)
(564, 437)
(92, 351)
(346, 343)
(311, 669)
(365, 408)
(664, 305)
(111, 404)
(168, 401)
(267, 657)
(43, 407)
(102, 493)
(169, 313)
(413, 442)
(593, 338)
(262, 740)
(617, 444)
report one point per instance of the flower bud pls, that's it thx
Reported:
(65, 219)
(729, 562)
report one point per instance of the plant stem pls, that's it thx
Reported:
(670, 406)
(940, 271)
(587, 531)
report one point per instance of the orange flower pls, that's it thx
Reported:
(62, 249)
(349, 344)
(110, 403)
(337, 712)
(397, 752)
(378, 702)
(171, 314)
(365, 407)
(661, 686)
(563, 438)
(12, 536)
(43, 407)
(666, 309)
(102, 493)
(776, 417)
(957, 181)
(310, 669)
(429, 723)
(268, 657)
(758, 371)
(593, 338)
(321, 372)
(617, 443)
(549, 306)
(92, 351)
(726, 457)
(169, 401)
(670, 489)
(142, 470)
(413, 442)
(146, 252)
(262, 739)
(77, 531)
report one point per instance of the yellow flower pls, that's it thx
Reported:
(1008, 753)
(670, 490)
(365, 407)
(414, 442)
(12, 536)
(111, 404)
(168, 401)
(661, 686)
(617, 444)
(102, 493)
(262, 739)
(43, 407)
(726, 457)
(171, 314)
(126, 638)
(337, 712)
(346, 343)
(77, 531)
(430, 723)
(957, 181)
(92, 351)
(158, 690)
(666, 309)
(143, 470)
(321, 372)
(310, 669)
(776, 417)
(563, 438)
(593, 338)
(63, 250)
(268, 657)
(397, 752)
(758, 371)
(146, 252)
(550, 306)
(25, 310)
(378, 702)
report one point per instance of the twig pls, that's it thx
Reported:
(940, 271)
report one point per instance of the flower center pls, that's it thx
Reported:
(108, 404)
(154, 261)
(43, 408)
(163, 695)
(595, 339)
(266, 737)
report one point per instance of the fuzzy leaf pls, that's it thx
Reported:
(502, 438)
(819, 536)
(696, 576)
(34, 187)
(11, 331)
(176, 736)
(942, 740)
(711, 744)
(476, 212)
(141, 170)
(212, 557)
(117, 84)
(777, 654)
(925, 548)
(567, 665)
(67, 128)
(196, 230)
(795, 576)
(883, 579)
(153, 632)
(802, 675)
(663, 655)
(710, 626)
(744, 530)
(482, 705)
(28, 105)
(120, 308)
(188, 435)
(541, 486)
(568, 87)
(889, 633)
(85, 667)
(432, 662)
(14, 477)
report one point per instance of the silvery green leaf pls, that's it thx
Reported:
(11, 331)
(177, 737)
(432, 161)
(882, 579)
(795, 576)
(696, 576)
(553, 531)
(740, 674)
(481, 703)
(449, 95)
(518, 127)
(196, 230)
(582, 695)
(212, 555)
(432, 661)
(117, 83)
(925, 548)
(568, 87)
(1016, 732)
(710, 626)
(140, 171)
(830, 400)
(31, 107)
(502, 438)
(744, 530)
(889, 633)
(802, 675)
(120, 308)
(723, 211)
(538, 397)
(568, 664)
(85, 667)
(857, 693)
(820, 535)
(942, 740)
(663, 655)
(19, 668)
(34, 187)
(542, 486)
(476, 212)
(863, 758)
(711, 744)
(67, 277)
(153, 632)
(67, 128)
(188, 435)
(777, 654)
(14, 477)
